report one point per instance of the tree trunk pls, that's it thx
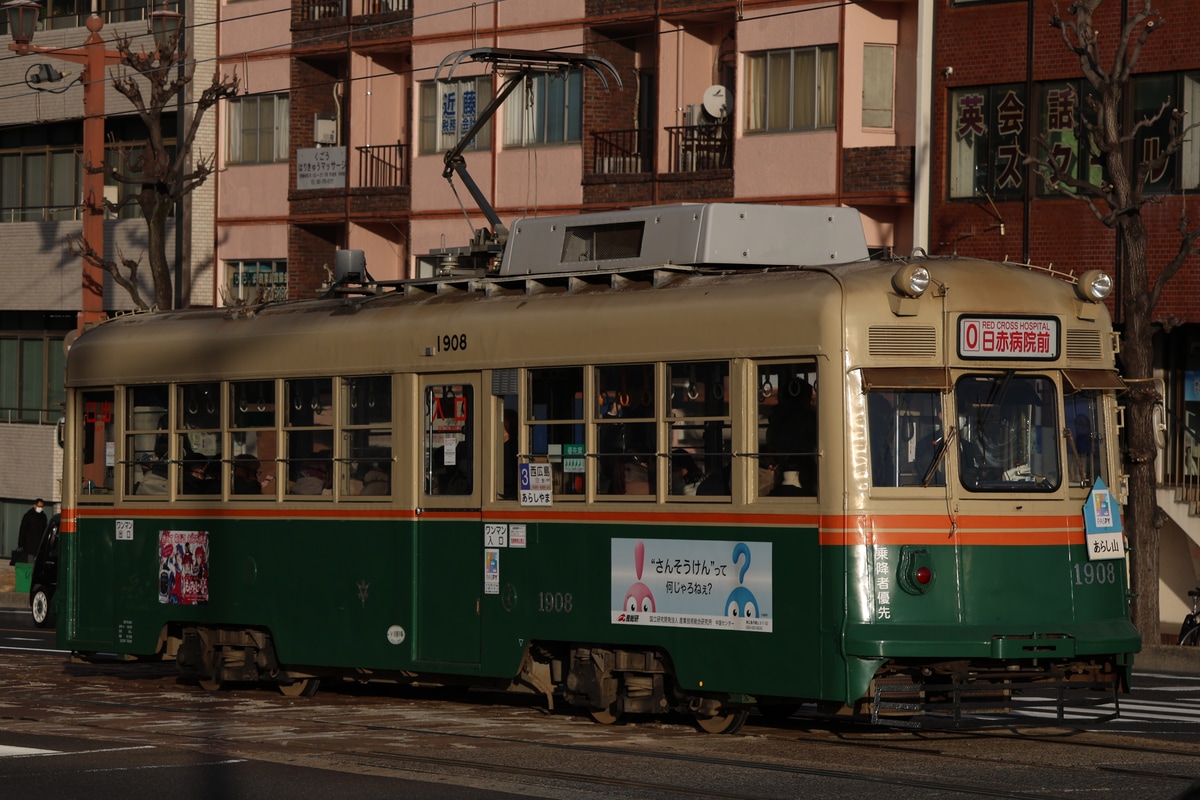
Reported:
(157, 208)
(1142, 518)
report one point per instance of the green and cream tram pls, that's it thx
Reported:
(690, 458)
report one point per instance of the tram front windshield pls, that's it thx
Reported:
(1008, 433)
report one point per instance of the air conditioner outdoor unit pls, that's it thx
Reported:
(693, 114)
(324, 130)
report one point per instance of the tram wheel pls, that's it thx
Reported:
(723, 723)
(305, 687)
(213, 684)
(605, 716)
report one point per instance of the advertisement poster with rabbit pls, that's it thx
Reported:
(692, 584)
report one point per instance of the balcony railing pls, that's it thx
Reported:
(622, 152)
(1181, 459)
(381, 166)
(700, 148)
(323, 9)
(385, 6)
(41, 213)
(330, 9)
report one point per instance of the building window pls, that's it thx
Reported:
(545, 109)
(258, 129)
(449, 109)
(1189, 153)
(1150, 92)
(40, 185)
(986, 129)
(41, 167)
(1062, 127)
(879, 69)
(32, 369)
(790, 90)
(255, 281)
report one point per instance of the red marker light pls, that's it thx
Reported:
(924, 575)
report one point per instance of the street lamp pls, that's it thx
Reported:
(22, 19)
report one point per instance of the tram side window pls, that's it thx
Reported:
(906, 438)
(253, 442)
(96, 446)
(1008, 433)
(787, 430)
(1087, 443)
(146, 453)
(625, 441)
(367, 429)
(554, 416)
(698, 406)
(449, 440)
(507, 484)
(199, 428)
(308, 435)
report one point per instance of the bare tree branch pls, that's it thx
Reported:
(127, 280)
(153, 82)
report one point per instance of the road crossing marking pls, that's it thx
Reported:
(10, 751)
(18, 752)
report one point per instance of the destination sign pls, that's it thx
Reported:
(1008, 338)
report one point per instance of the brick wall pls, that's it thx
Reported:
(310, 251)
(695, 187)
(618, 191)
(877, 171)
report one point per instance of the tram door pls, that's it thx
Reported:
(449, 526)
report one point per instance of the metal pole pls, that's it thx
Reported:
(92, 305)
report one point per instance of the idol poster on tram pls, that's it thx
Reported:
(183, 567)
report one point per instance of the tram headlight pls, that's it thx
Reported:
(1094, 285)
(911, 280)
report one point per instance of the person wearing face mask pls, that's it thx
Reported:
(33, 525)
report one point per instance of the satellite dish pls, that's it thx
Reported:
(716, 101)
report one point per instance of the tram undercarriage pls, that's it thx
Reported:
(902, 691)
(613, 683)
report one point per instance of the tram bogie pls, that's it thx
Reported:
(632, 474)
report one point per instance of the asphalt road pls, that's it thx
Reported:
(134, 731)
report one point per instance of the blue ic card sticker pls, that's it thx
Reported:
(1102, 523)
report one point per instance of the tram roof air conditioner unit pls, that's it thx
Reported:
(349, 266)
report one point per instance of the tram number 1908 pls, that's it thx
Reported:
(451, 342)
(555, 602)
(1095, 572)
